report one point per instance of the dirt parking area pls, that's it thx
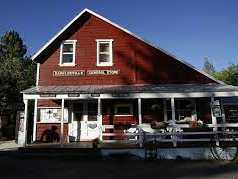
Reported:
(64, 166)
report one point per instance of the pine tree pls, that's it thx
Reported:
(208, 66)
(16, 72)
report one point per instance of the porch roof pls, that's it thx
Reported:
(110, 89)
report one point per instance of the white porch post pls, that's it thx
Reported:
(214, 122)
(62, 124)
(174, 138)
(100, 118)
(25, 122)
(35, 120)
(173, 109)
(139, 111)
(165, 110)
(214, 119)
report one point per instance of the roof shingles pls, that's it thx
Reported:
(104, 89)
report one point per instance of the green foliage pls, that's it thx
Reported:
(16, 70)
(228, 75)
(208, 66)
(11, 46)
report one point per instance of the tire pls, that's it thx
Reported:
(224, 153)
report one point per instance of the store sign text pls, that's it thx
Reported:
(84, 73)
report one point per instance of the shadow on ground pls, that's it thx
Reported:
(16, 165)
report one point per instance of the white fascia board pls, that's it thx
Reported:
(138, 95)
(125, 30)
(58, 34)
(37, 73)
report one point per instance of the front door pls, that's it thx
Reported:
(85, 126)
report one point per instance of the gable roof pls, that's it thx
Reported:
(41, 50)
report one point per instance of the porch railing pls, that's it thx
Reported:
(220, 134)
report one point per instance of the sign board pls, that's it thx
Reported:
(102, 72)
(69, 73)
(47, 95)
(73, 95)
(216, 108)
(216, 111)
(95, 95)
(77, 73)
(120, 95)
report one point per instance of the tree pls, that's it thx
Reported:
(11, 46)
(208, 67)
(228, 75)
(16, 72)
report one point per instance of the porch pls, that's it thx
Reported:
(113, 114)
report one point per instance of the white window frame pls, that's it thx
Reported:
(66, 115)
(61, 52)
(130, 106)
(110, 63)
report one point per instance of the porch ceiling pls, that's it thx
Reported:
(110, 89)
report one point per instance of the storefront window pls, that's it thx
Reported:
(185, 110)
(123, 109)
(92, 111)
(52, 115)
(152, 110)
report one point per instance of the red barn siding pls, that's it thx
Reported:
(42, 127)
(108, 112)
(49, 103)
(125, 120)
(109, 118)
(138, 62)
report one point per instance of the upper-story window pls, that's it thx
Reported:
(104, 52)
(67, 53)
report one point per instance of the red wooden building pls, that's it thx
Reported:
(97, 80)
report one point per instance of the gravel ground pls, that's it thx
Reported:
(40, 166)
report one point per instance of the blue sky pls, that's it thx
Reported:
(189, 29)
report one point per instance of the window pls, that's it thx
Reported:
(92, 111)
(51, 115)
(67, 53)
(185, 108)
(104, 52)
(123, 109)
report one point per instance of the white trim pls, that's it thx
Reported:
(99, 119)
(37, 73)
(110, 53)
(45, 122)
(186, 125)
(25, 122)
(214, 119)
(62, 124)
(73, 42)
(123, 105)
(47, 107)
(107, 40)
(173, 109)
(138, 95)
(139, 111)
(123, 29)
(35, 119)
(44, 119)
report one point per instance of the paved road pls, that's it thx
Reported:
(61, 166)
